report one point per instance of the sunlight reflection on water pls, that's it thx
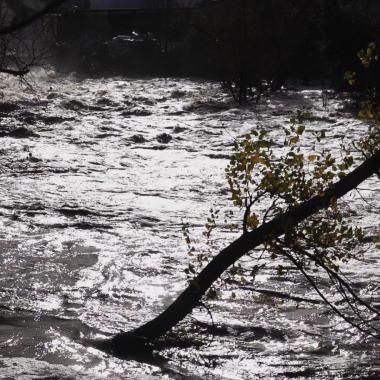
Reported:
(91, 236)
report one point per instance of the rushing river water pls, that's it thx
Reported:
(98, 177)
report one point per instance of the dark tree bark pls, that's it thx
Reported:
(17, 73)
(128, 343)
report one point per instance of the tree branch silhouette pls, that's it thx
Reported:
(29, 20)
(129, 342)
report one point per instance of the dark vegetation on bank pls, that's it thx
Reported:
(249, 46)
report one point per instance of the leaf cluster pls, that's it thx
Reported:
(267, 182)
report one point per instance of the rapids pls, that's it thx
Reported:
(98, 177)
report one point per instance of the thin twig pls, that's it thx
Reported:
(316, 288)
(29, 20)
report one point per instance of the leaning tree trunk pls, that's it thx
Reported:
(128, 342)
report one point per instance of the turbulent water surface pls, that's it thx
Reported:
(98, 177)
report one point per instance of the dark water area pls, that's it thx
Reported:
(98, 178)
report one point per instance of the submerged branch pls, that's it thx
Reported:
(16, 73)
(281, 295)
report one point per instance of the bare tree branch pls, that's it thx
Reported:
(29, 20)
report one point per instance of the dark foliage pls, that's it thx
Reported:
(252, 46)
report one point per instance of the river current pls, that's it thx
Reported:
(98, 178)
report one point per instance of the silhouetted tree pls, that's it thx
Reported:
(18, 51)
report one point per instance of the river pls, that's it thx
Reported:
(98, 178)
